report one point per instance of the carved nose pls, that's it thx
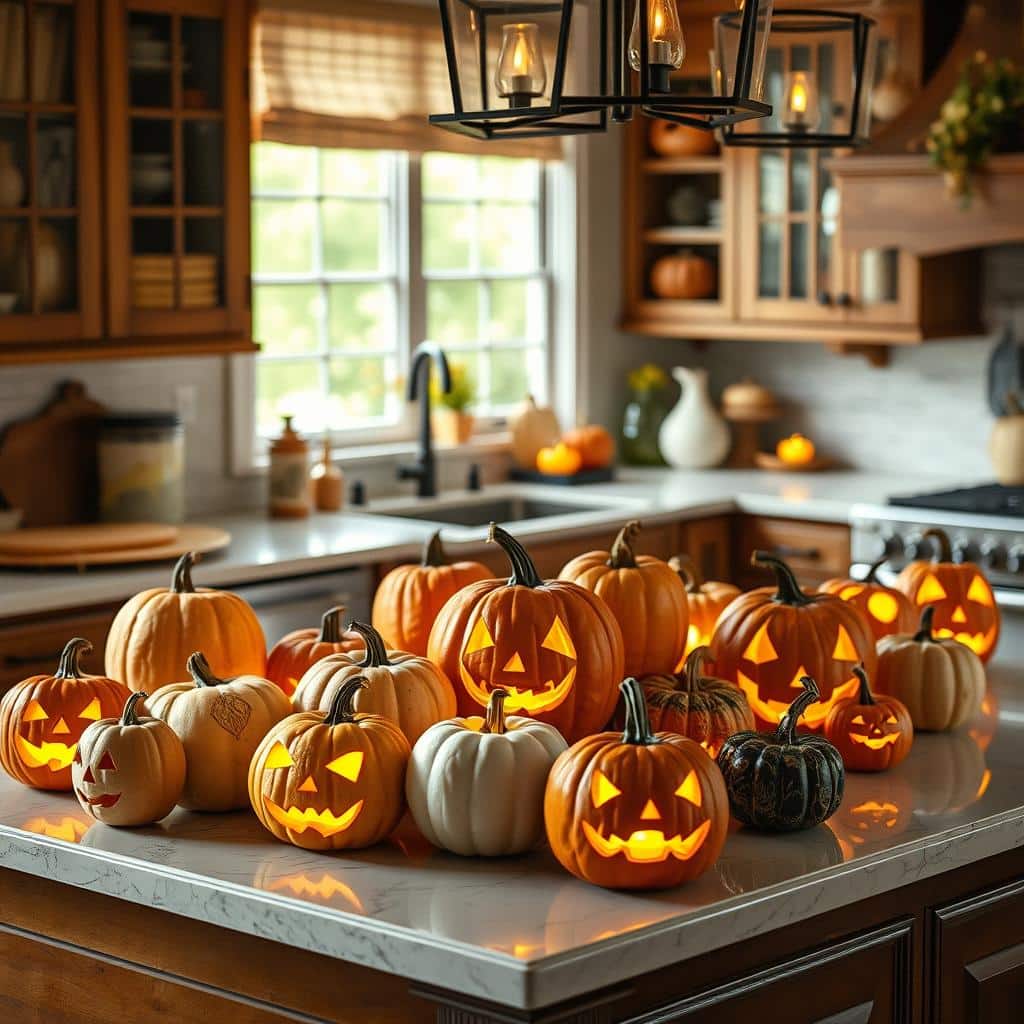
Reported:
(515, 664)
(309, 786)
(88, 776)
(61, 728)
(650, 812)
(959, 615)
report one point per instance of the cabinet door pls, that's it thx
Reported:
(49, 175)
(814, 551)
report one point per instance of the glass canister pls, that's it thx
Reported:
(142, 468)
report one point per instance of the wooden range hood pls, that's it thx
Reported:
(891, 195)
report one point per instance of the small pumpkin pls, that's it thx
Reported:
(692, 704)
(129, 770)
(683, 276)
(941, 681)
(42, 719)
(410, 596)
(293, 655)
(636, 810)
(670, 139)
(331, 780)
(220, 722)
(406, 689)
(779, 781)
(533, 428)
(965, 606)
(705, 601)
(154, 633)
(595, 445)
(554, 647)
(886, 609)
(872, 733)
(476, 786)
(646, 597)
(559, 460)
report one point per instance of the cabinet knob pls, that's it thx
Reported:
(824, 298)
(844, 300)
(1015, 559)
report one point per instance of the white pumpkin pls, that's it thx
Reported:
(942, 682)
(476, 786)
(535, 427)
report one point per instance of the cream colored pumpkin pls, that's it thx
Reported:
(220, 723)
(475, 786)
(942, 682)
(535, 427)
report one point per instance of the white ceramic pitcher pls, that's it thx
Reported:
(694, 435)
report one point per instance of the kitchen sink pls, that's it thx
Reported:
(505, 509)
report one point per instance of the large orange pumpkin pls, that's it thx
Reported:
(293, 655)
(42, 719)
(410, 596)
(646, 597)
(766, 641)
(636, 810)
(965, 607)
(595, 445)
(684, 276)
(552, 645)
(705, 600)
(872, 733)
(886, 609)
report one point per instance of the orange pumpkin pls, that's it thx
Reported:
(293, 655)
(684, 276)
(705, 601)
(42, 719)
(766, 641)
(595, 445)
(636, 810)
(559, 460)
(886, 610)
(553, 646)
(872, 733)
(410, 596)
(965, 607)
(646, 597)
(671, 139)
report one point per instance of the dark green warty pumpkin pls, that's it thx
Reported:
(781, 782)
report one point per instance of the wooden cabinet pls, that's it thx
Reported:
(814, 551)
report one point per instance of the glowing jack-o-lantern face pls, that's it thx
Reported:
(888, 611)
(871, 732)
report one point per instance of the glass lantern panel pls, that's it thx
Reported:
(728, 37)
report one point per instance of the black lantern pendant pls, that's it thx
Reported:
(819, 75)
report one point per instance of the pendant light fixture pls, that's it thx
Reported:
(820, 70)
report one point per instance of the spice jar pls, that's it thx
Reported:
(289, 475)
(142, 468)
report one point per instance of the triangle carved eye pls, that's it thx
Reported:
(480, 639)
(107, 763)
(602, 789)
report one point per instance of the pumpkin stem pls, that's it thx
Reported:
(494, 721)
(944, 552)
(638, 723)
(924, 635)
(688, 572)
(342, 708)
(130, 716)
(786, 732)
(330, 625)
(181, 578)
(524, 572)
(621, 555)
(433, 552)
(872, 573)
(865, 696)
(789, 591)
(199, 669)
(70, 658)
(376, 650)
(694, 668)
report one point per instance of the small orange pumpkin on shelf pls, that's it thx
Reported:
(675, 140)
(705, 600)
(559, 460)
(595, 445)
(886, 609)
(872, 733)
(683, 276)
(293, 655)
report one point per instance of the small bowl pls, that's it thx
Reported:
(8, 300)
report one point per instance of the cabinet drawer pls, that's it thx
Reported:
(815, 551)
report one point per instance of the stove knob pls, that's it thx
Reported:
(964, 550)
(993, 555)
(1015, 559)
(892, 546)
(915, 546)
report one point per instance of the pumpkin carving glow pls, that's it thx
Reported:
(705, 599)
(886, 609)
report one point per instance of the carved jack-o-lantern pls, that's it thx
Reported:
(766, 641)
(872, 733)
(705, 599)
(886, 609)
(965, 607)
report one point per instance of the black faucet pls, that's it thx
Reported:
(424, 472)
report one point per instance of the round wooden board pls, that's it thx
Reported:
(201, 539)
(76, 540)
(771, 462)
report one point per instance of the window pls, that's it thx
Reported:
(360, 255)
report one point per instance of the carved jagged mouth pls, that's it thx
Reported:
(56, 755)
(103, 800)
(772, 710)
(875, 742)
(531, 701)
(978, 642)
(298, 819)
(327, 888)
(648, 846)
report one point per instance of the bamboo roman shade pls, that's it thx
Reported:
(359, 74)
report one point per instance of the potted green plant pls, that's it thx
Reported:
(451, 421)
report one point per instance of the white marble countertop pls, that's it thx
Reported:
(263, 549)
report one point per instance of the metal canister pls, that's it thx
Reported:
(142, 468)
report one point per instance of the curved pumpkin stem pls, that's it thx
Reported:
(331, 628)
(342, 708)
(433, 552)
(524, 572)
(945, 549)
(694, 668)
(638, 724)
(786, 732)
(494, 721)
(70, 666)
(924, 635)
(789, 591)
(688, 572)
(865, 696)
(376, 650)
(130, 716)
(872, 573)
(181, 578)
(621, 555)
(199, 669)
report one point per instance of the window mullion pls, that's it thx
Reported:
(410, 252)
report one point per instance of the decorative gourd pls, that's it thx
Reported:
(331, 780)
(700, 707)
(705, 600)
(406, 689)
(220, 722)
(782, 782)
(476, 786)
(795, 450)
(595, 445)
(684, 276)
(941, 681)
(42, 719)
(670, 139)
(767, 640)
(410, 596)
(886, 609)
(559, 460)
(554, 647)
(535, 427)
(646, 597)
(293, 655)
(965, 607)
(154, 633)
(129, 770)
(872, 733)
(636, 810)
